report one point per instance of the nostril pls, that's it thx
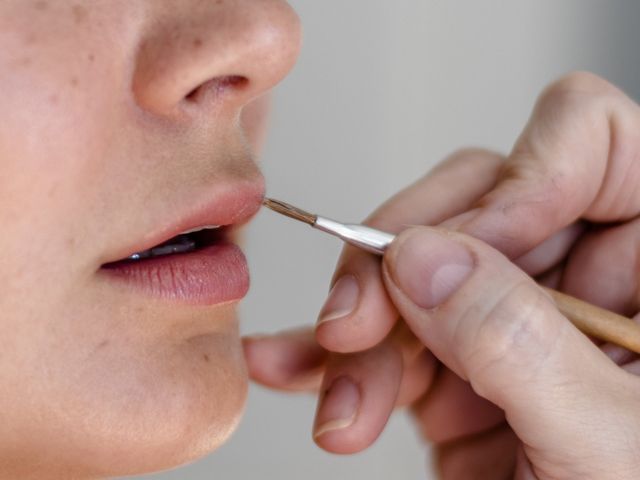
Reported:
(217, 88)
(204, 55)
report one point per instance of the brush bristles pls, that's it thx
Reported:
(290, 211)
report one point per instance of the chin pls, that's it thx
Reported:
(142, 407)
(194, 413)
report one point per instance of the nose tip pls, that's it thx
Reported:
(228, 51)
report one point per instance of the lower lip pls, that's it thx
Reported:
(210, 276)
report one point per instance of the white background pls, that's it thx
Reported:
(383, 90)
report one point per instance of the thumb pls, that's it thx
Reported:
(496, 328)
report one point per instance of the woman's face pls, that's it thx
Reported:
(123, 125)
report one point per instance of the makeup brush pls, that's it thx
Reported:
(591, 320)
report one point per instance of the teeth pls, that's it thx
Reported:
(178, 248)
(181, 245)
(198, 229)
(184, 245)
(140, 256)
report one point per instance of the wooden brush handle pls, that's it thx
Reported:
(598, 322)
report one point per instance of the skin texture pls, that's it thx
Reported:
(452, 323)
(111, 124)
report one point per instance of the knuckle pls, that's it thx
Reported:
(512, 332)
(549, 188)
(578, 90)
(581, 82)
(570, 125)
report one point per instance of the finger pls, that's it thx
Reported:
(358, 313)
(576, 158)
(291, 360)
(622, 356)
(604, 268)
(419, 366)
(550, 252)
(633, 367)
(452, 410)
(491, 454)
(524, 469)
(552, 278)
(417, 378)
(435, 197)
(359, 392)
(493, 326)
(396, 372)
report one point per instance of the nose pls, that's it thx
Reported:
(226, 52)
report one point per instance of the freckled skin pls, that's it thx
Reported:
(98, 144)
(79, 13)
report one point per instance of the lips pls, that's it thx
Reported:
(185, 260)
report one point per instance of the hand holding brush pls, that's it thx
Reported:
(498, 379)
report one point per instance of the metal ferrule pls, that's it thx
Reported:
(366, 238)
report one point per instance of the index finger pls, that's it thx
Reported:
(577, 158)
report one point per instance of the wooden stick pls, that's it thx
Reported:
(598, 322)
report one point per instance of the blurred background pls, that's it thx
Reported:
(382, 92)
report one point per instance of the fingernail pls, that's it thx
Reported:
(339, 407)
(342, 300)
(429, 267)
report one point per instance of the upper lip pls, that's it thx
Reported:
(230, 204)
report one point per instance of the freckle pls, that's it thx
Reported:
(71, 243)
(79, 13)
(206, 358)
(197, 43)
(53, 99)
(74, 81)
(40, 5)
(103, 344)
(91, 57)
(22, 62)
(30, 39)
(52, 192)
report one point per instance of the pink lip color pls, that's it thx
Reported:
(210, 276)
(231, 205)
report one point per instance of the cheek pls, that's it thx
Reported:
(135, 401)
